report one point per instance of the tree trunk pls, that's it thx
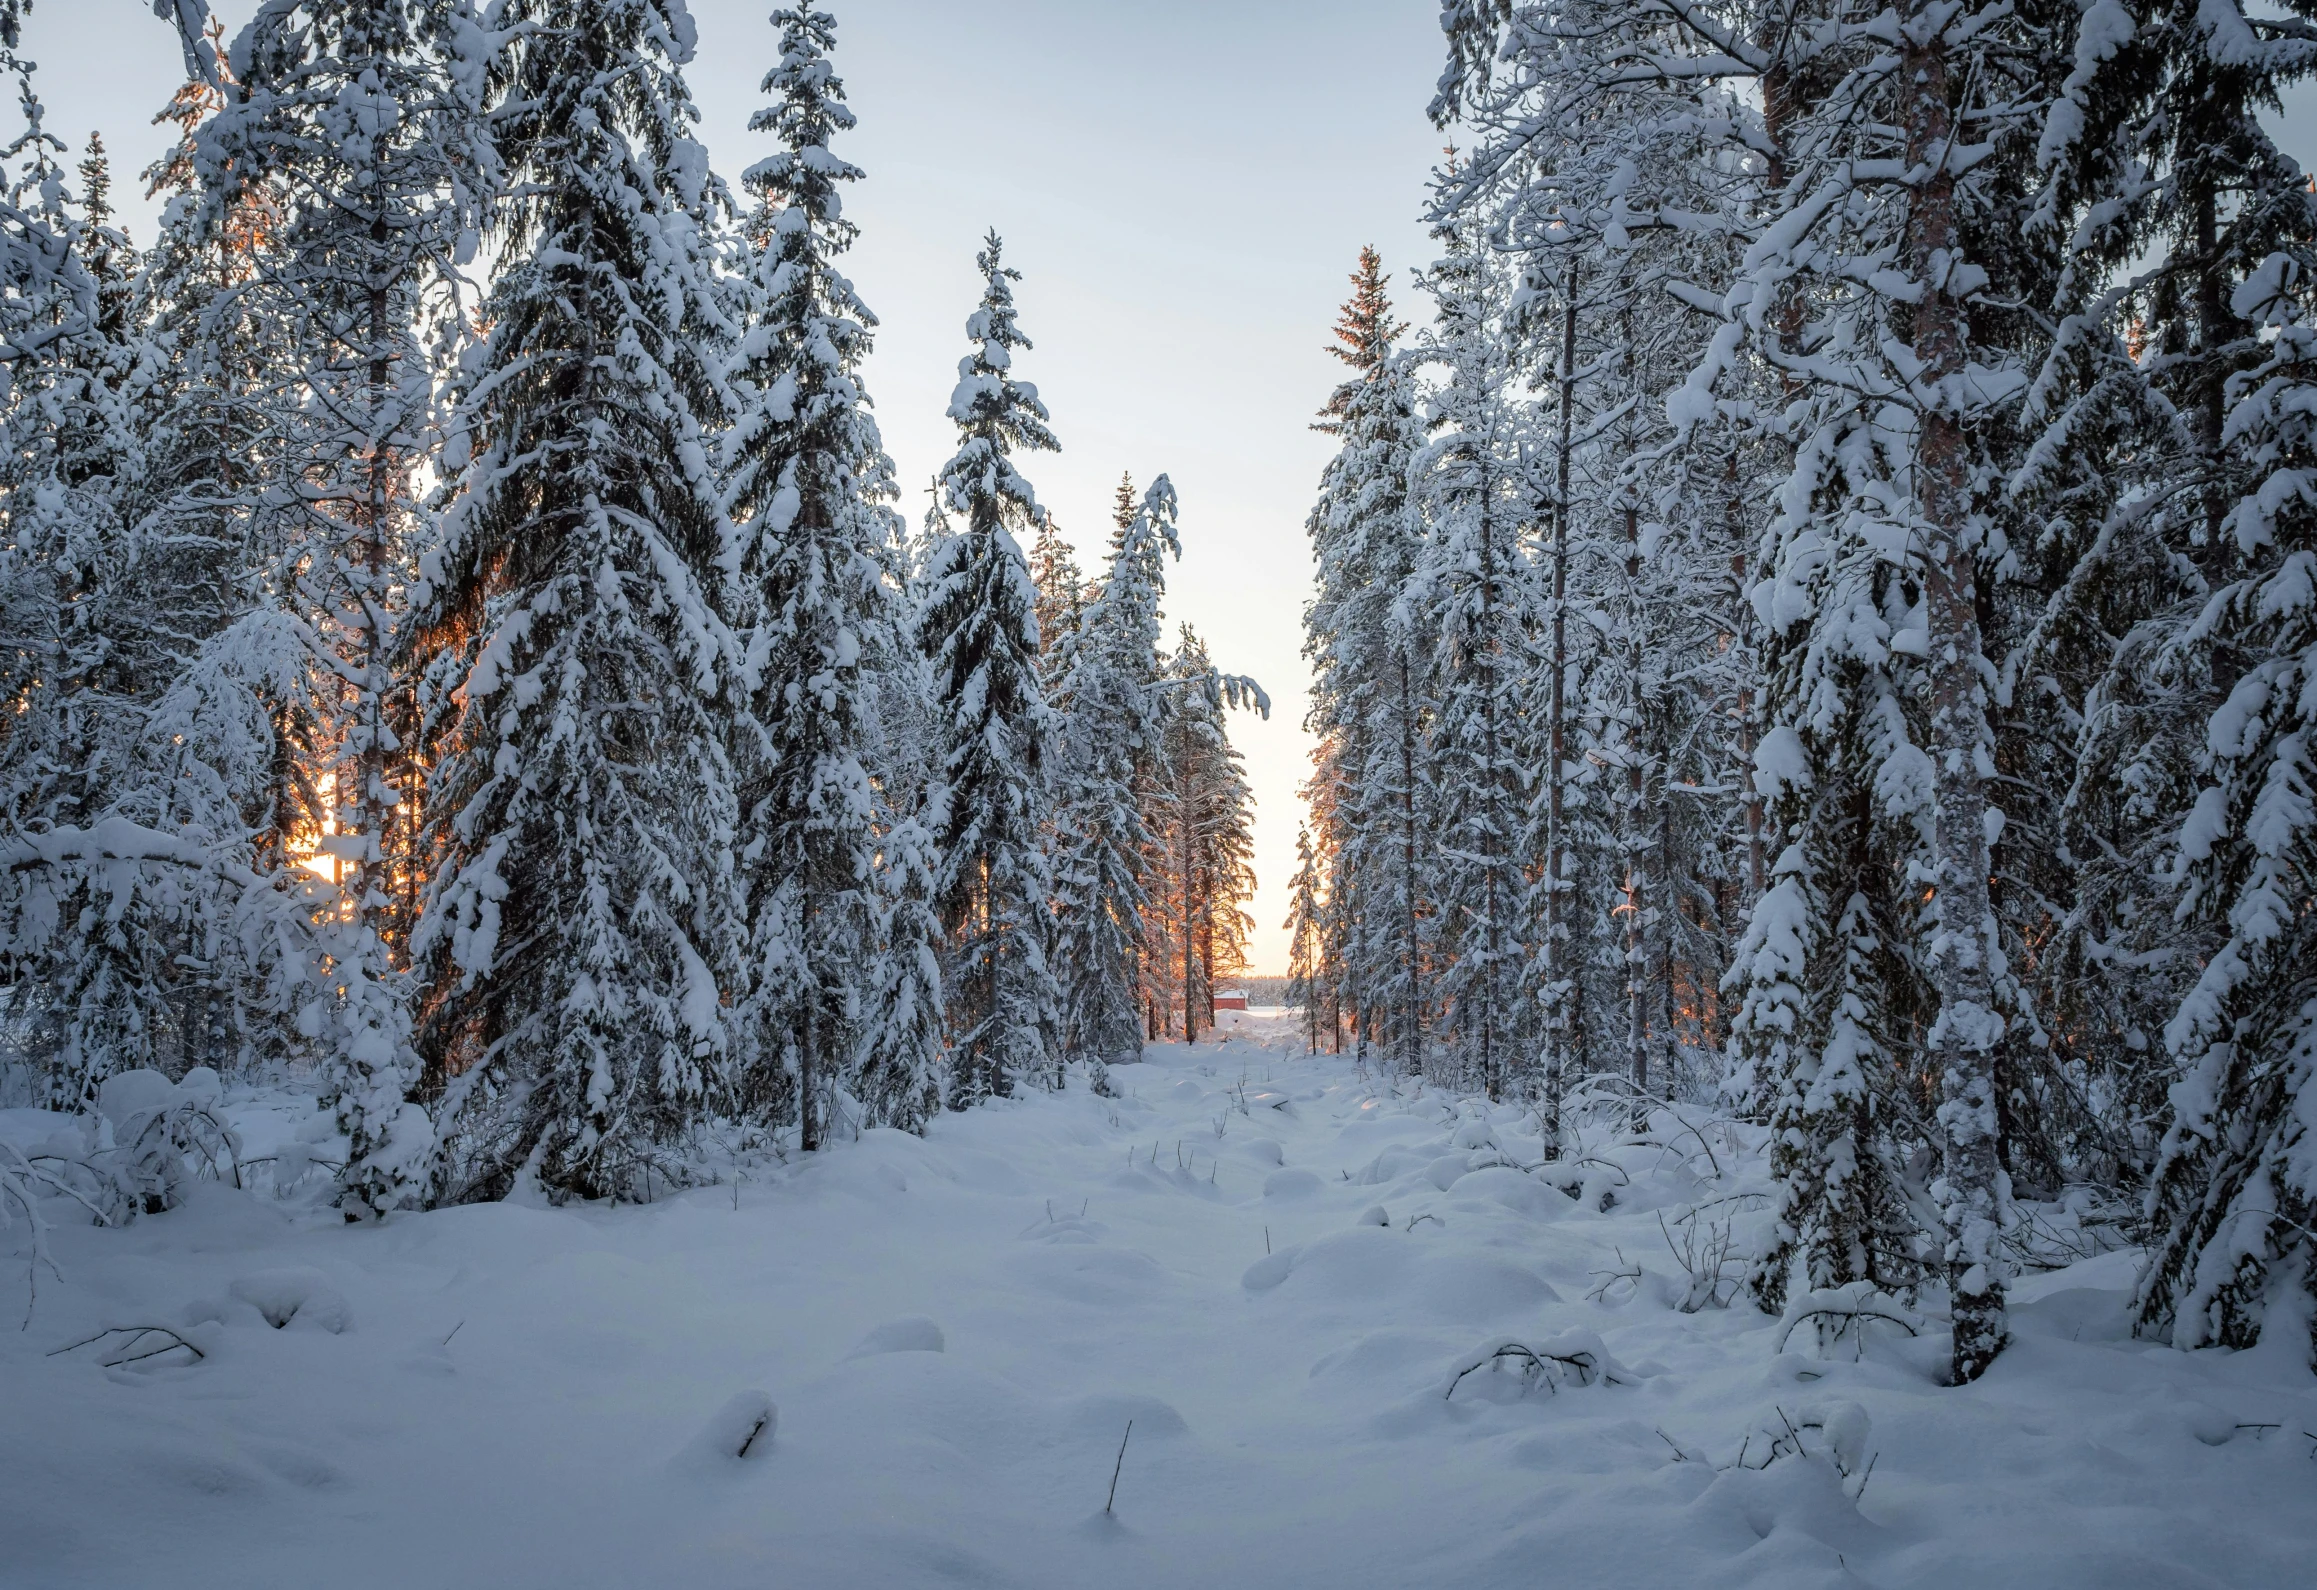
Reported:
(1556, 735)
(1636, 890)
(1757, 874)
(1964, 1036)
(1412, 1016)
(1487, 645)
(808, 1113)
(372, 804)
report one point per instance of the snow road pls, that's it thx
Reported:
(1273, 1267)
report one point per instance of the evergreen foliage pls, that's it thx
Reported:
(815, 606)
(580, 923)
(993, 766)
(1115, 710)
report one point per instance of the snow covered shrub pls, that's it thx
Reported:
(1833, 1431)
(1703, 1242)
(164, 1135)
(1842, 1314)
(1573, 1358)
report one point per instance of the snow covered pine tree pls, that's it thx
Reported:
(809, 487)
(1111, 727)
(1367, 678)
(979, 626)
(358, 124)
(579, 928)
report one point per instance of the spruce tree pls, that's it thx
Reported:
(1062, 598)
(351, 123)
(1472, 594)
(1112, 721)
(809, 488)
(1306, 926)
(1368, 703)
(2233, 1201)
(2222, 673)
(1199, 816)
(92, 983)
(978, 625)
(578, 926)
(142, 761)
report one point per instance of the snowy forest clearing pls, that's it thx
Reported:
(957, 1328)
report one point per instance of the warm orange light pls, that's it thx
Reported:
(310, 849)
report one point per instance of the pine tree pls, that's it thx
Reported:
(1062, 599)
(1471, 591)
(1368, 702)
(2220, 674)
(978, 624)
(1113, 717)
(141, 716)
(350, 126)
(1200, 819)
(2234, 1197)
(808, 486)
(1306, 926)
(577, 928)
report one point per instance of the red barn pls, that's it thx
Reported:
(1230, 1001)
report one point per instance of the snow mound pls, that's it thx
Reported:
(1107, 1416)
(1290, 1184)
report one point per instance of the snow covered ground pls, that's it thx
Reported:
(957, 1330)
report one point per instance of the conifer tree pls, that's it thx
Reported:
(2226, 241)
(2234, 1195)
(190, 692)
(1112, 724)
(898, 1077)
(351, 124)
(979, 626)
(141, 761)
(808, 486)
(1368, 675)
(1062, 599)
(1307, 982)
(1200, 819)
(1471, 592)
(578, 925)
(1878, 662)
(91, 1001)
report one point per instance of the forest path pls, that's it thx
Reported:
(957, 1330)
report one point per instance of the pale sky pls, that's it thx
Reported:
(1184, 185)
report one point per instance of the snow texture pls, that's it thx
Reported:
(1482, 1383)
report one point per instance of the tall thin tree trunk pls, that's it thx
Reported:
(1487, 648)
(1190, 909)
(1412, 1015)
(372, 806)
(1964, 1037)
(1671, 916)
(808, 1111)
(1636, 888)
(1749, 797)
(1556, 735)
